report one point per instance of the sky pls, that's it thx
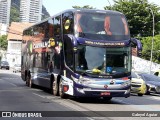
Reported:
(56, 6)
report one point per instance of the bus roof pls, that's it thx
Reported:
(78, 10)
(89, 10)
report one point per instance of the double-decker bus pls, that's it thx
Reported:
(79, 52)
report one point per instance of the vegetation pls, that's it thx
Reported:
(3, 42)
(14, 15)
(146, 52)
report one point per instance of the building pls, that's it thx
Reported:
(5, 6)
(14, 42)
(3, 29)
(30, 10)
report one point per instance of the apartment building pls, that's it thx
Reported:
(30, 10)
(5, 6)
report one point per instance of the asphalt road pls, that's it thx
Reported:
(16, 96)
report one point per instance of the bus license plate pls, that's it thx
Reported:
(105, 93)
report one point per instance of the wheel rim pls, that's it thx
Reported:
(30, 82)
(60, 88)
(55, 88)
(27, 81)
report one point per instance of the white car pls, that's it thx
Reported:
(17, 68)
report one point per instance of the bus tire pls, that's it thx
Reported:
(30, 83)
(147, 92)
(55, 88)
(140, 94)
(51, 85)
(61, 93)
(27, 80)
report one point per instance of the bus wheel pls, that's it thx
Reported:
(30, 84)
(147, 92)
(61, 93)
(140, 94)
(55, 88)
(26, 78)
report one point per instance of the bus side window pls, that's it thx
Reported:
(57, 27)
(67, 19)
(50, 26)
(68, 52)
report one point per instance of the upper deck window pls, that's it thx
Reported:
(101, 26)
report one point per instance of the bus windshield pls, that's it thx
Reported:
(103, 61)
(101, 26)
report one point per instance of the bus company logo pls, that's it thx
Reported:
(105, 86)
(6, 114)
(112, 82)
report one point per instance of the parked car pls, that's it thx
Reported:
(4, 64)
(138, 85)
(17, 68)
(152, 82)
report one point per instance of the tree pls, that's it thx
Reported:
(85, 7)
(138, 15)
(146, 52)
(14, 15)
(3, 42)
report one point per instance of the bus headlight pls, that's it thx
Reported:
(126, 83)
(81, 80)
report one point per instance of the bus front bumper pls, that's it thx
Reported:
(101, 93)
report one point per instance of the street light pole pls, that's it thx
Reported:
(152, 40)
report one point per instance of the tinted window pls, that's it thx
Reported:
(68, 23)
(101, 26)
(57, 26)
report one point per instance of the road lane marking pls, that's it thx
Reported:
(13, 84)
(38, 95)
(154, 97)
(10, 83)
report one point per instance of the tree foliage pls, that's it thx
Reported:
(139, 16)
(3, 42)
(146, 52)
(14, 15)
